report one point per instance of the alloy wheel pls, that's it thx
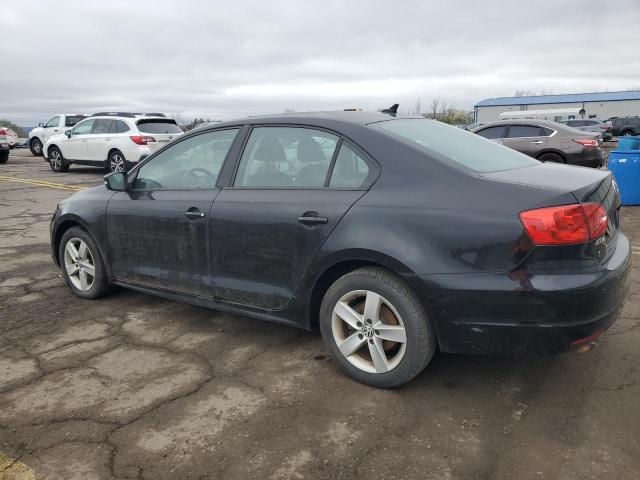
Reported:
(55, 157)
(116, 163)
(79, 264)
(369, 331)
(37, 147)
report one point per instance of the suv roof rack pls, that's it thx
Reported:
(114, 114)
(127, 114)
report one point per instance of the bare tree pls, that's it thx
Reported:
(417, 105)
(435, 104)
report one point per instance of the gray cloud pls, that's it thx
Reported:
(228, 59)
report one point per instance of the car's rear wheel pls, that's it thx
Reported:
(82, 264)
(551, 158)
(36, 147)
(117, 162)
(376, 329)
(57, 161)
(627, 133)
(4, 157)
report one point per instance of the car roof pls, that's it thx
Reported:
(314, 118)
(524, 121)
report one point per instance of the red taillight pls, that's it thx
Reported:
(566, 224)
(137, 139)
(3, 131)
(587, 142)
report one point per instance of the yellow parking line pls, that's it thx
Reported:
(12, 468)
(43, 183)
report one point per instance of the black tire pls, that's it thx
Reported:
(35, 145)
(420, 343)
(551, 158)
(4, 157)
(627, 133)
(116, 162)
(100, 286)
(56, 161)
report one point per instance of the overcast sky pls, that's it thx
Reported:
(224, 59)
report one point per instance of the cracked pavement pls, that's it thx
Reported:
(136, 387)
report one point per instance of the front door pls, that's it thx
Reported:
(75, 147)
(159, 232)
(269, 226)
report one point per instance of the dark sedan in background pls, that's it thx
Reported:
(547, 141)
(396, 236)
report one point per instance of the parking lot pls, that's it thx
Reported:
(133, 386)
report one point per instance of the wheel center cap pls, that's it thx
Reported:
(367, 331)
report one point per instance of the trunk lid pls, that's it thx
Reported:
(163, 130)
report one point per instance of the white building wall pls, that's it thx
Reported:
(601, 110)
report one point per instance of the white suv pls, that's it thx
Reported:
(54, 126)
(112, 140)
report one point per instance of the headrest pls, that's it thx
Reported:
(270, 150)
(310, 151)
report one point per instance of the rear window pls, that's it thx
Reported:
(465, 148)
(71, 120)
(158, 126)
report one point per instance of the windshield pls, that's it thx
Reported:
(457, 145)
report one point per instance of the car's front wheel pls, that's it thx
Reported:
(376, 329)
(82, 265)
(35, 146)
(56, 160)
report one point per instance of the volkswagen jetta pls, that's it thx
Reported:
(395, 236)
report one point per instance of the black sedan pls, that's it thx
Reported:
(394, 236)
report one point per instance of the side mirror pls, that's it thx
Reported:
(116, 181)
(68, 133)
(41, 124)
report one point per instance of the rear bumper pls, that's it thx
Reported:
(507, 313)
(593, 158)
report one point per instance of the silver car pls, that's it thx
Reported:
(593, 125)
(547, 141)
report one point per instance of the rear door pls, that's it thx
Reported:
(281, 207)
(163, 130)
(527, 139)
(158, 232)
(52, 127)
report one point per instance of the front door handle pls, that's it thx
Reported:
(194, 214)
(312, 218)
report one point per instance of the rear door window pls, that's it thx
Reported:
(71, 120)
(101, 126)
(523, 131)
(118, 126)
(493, 132)
(453, 144)
(158, 126)
(350, 169)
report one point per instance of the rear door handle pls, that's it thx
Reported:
(538, 142)
(194, 214)
(312, 218)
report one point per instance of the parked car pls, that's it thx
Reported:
(395, 236)
(591, 125)
(473, 126)
(112, 140)
(22, 143)
(54, 126)
(547, 141)
(4, 146)
(626, 126)
(12, 137)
